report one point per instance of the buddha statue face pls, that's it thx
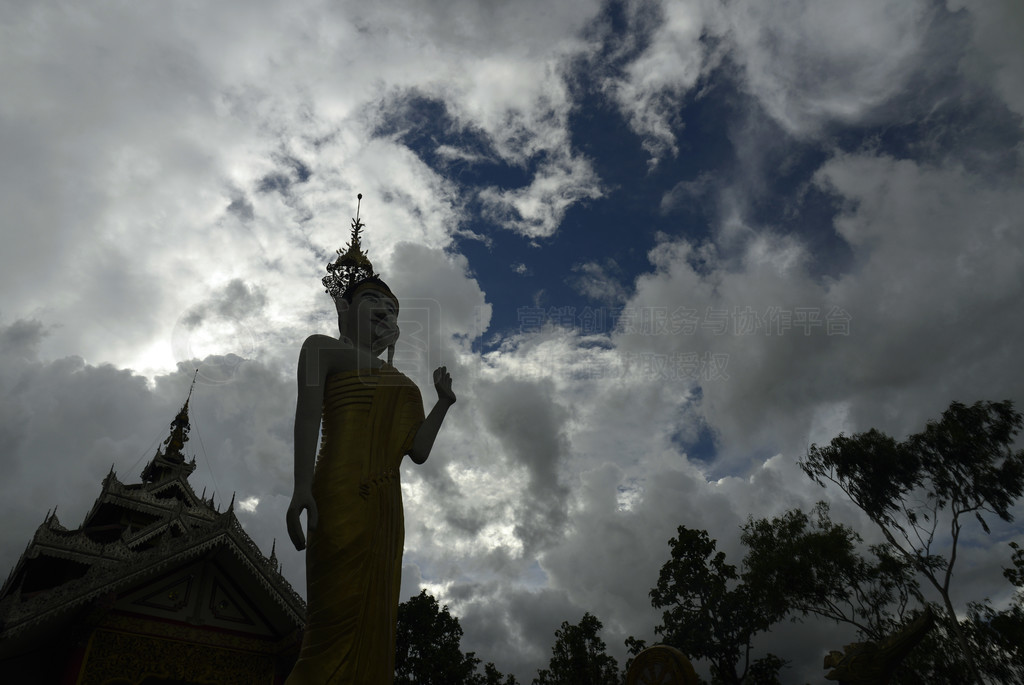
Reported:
(370, 321)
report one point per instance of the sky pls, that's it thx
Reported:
(662, 247)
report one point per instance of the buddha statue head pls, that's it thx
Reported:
(367, 309)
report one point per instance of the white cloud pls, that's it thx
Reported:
(537, 210)
(594, 280)
(809, 64)
(249, 504)
(924, 239)
(131, 154)
(812, 63)
(650, 91)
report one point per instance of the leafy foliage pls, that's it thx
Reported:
(998, 636)
(958, 469)
(710, 614)
(578, 657)
(807, 564)
(492, 676)
(428, 650)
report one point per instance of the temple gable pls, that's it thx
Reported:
(156, 584)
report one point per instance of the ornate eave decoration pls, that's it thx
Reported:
(22, 613)
(118, 551)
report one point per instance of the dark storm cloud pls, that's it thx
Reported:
(530, 424)
(66, 422)
(21, 339)
(301, 170)
(466, 521)
(235, 300)
(281, 181)
(229, 322)
(277, 181)
(242, 208)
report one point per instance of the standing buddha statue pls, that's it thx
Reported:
(369, 416)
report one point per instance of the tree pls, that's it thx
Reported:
(710, 613)
(428, 650)
(633, 648)
(806, 563)
(578, 657)
(492, 676)
(998, 636)
(957, 469)
(800, 564)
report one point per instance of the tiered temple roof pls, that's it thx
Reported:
(150, 558)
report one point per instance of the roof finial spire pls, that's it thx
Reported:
(172, 460)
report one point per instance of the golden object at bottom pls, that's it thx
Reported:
(661, 665)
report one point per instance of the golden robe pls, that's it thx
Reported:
(354, 556)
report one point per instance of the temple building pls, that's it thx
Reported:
(157, 586)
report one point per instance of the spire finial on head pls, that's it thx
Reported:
(352, 268)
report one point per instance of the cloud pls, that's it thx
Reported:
(536, 210)
(809, 65)
(242, 208)
(672, 56)
(971, 229)
(206, 112)
(906, 320)
(21, 339)
(236, 299)
(595, 281)
(249, 504)
(418, 269)
(687, 193)
(996, 57)
(812, 63)
(529, 424)
(511, 93)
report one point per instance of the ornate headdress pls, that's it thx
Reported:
(352, 268)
